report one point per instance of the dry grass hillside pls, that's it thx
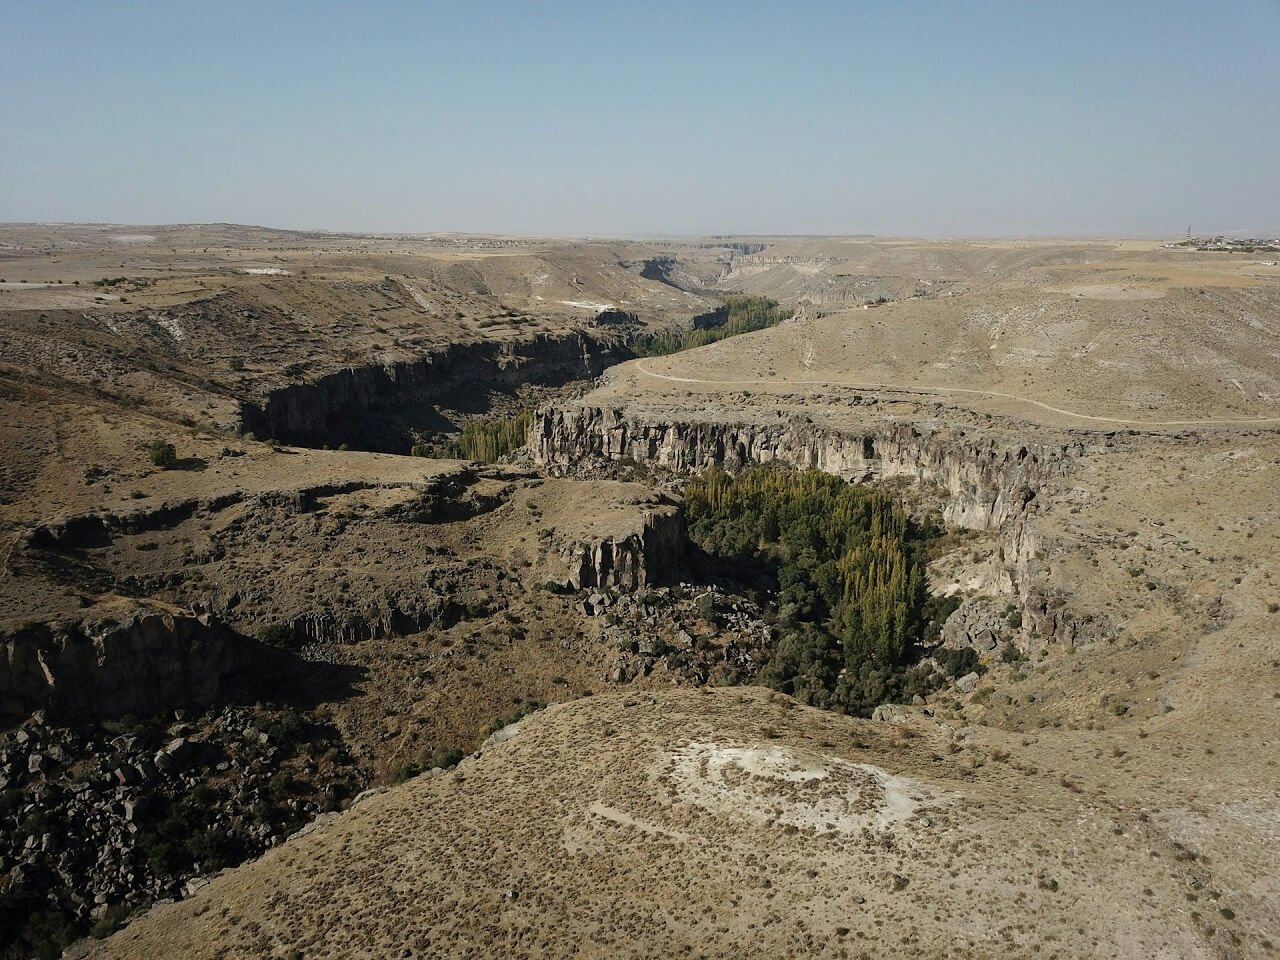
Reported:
(1073, 335)
(737, 823)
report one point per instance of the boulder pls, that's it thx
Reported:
(978, 622)
(889, 713)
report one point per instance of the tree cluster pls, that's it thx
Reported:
(850, 573)
(488, 440)
(740, 314)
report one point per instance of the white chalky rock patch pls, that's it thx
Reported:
(171, 326)
(588, 305)
(266, 271)
(776, 785)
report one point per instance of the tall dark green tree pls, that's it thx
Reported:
(850, 571)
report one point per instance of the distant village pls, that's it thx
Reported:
(1227, 244)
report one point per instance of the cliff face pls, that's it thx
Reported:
(986, 484)
(631, 562)
(143, 662)
(359, 405)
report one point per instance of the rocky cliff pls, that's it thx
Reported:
(985, 483)
(140, 660)
(364, 406)
(627, 563)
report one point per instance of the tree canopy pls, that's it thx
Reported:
(850, 569)
(740, 314)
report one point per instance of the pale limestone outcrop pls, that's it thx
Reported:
(986, 482)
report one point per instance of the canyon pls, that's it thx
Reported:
(1106, 545)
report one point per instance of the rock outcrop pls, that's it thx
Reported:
(141, 661)
(976, 623)
(985, 483)
(630, 562)
(354, 405)
(396, 615)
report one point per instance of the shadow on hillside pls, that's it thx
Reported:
(275, 675)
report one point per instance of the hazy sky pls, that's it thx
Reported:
(940, 118)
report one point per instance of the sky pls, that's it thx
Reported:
(904, 118)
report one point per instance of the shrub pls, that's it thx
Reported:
(958, 663)
(429, 758)
(162, 454)
(237, 364)
(439, 755)
(1011, 654)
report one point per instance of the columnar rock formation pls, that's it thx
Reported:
(336, 407)
(143, 660)
(633, 561)
(986, 483)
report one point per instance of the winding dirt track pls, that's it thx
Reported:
(927, 391)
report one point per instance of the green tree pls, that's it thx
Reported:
(488, 440)
(850, 572)
(740, 314)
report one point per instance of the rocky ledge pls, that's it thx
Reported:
(357, 405)
(135, 659)
(628, 562)
(985, 482)
(989, 481)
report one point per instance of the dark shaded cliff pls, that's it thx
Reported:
(143, 662)
(376, 407)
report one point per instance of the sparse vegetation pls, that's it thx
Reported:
(1010, 653)
(162, 454)
(437, 756)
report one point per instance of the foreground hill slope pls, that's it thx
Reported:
(733, 823)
